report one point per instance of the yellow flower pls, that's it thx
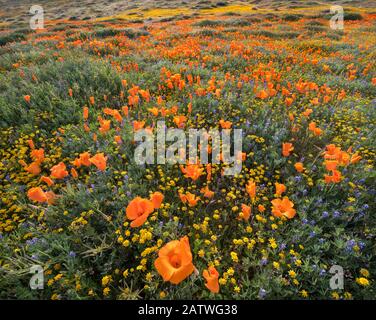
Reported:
(362, 281)
(55, 297)
(230, 271)
(335, 295)
(348, 295)
(304, 293)
(106, 280)
(272, 243)
(106, 291)
(234, 256)
(292, 273)
(364, 272)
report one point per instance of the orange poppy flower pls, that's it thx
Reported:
(288, 101)
(159, 100)
(137, 125)
(211, 276)
(287, 149)
(341, 95)
(246, 212)
(92, 101)
(27, 98)
(279, 188)
(38, 155)
(207, 192)
(334, 178)
(180, 121)
(251, 189)
(74, 173)
(99, 160)
(37, 194)
(118, 140)
(355, 158)
(138, 211)
(31, 144)
(125, 110)
(307, 112)
(312, 126)
(157, 199)
(85, 159)
(192, 171)
(51, 197)
(299, 167)
(241, 156)
(154, 111)
(225, 124)
(174, 109)
(105, 125)
(174, 262)
(343, 158)
(189, 198)
(108, 111)
(116, 114)
(76, 162)
(33, 168)
(262, 94)
(86, 112)
(317, 131)
(331, 165)
(209, 172)
(283, 207)
(261, 208)
(59, 171)
(332, 152)
(164, 112)
(47, 180)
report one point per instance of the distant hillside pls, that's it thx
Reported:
(16, 12)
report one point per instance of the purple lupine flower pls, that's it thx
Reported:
(262, 293)
(336, 214)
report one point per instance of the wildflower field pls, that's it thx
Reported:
(74, 201)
